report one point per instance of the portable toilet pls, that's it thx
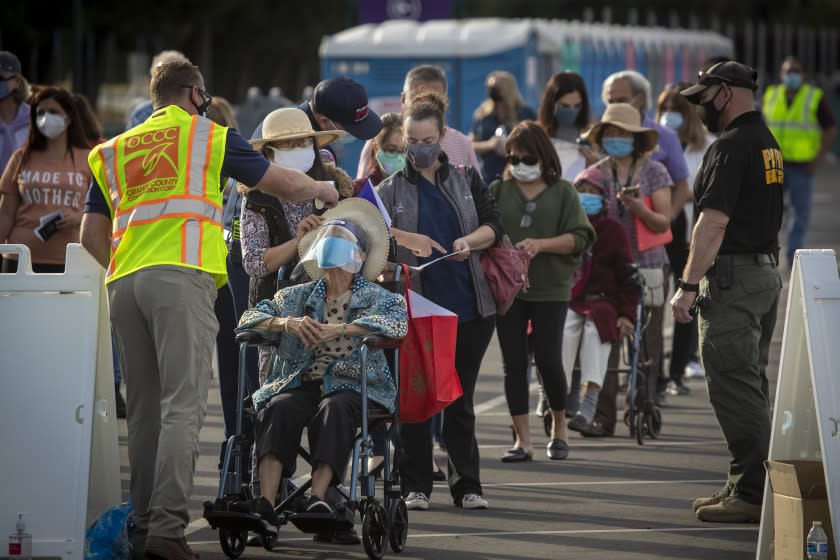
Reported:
(378, 56)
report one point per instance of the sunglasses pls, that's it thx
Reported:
(527, 160)
(527, 219)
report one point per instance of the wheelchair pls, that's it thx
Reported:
(384, 522)
(643, 417)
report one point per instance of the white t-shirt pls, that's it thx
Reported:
(571, 160)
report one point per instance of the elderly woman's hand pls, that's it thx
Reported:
(307, 329)
(308, 223)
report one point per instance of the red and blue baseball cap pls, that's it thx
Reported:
(345, 102)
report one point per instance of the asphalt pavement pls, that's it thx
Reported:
(612, 498)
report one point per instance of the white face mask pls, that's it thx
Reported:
(295, 158)
(51, 125)
(526, 173)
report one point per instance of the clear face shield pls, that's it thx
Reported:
(336, 245)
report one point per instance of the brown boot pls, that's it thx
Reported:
(715, 498)
(730, 510)
(161, 548)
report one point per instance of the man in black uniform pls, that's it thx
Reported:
(732, 265)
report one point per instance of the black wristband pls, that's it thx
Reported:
(686, 287)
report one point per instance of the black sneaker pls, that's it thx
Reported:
(349, 536)
(316, 504)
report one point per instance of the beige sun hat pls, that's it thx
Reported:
(625, 117)
(289, 123)
(362, 215)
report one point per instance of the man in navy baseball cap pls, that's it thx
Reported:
(342, 103)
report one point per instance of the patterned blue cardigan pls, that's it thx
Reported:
(371, 306)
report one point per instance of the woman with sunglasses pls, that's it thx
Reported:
(436, 206)
(542, 214)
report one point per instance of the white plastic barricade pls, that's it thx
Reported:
(806, 419)
(60, 464)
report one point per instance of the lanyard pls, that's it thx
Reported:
(626, 183)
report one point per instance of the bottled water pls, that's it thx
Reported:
(817, 547)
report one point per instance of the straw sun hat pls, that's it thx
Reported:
(365, 216)
(290, 123)
(625, 117)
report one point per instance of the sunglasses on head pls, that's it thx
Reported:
(527, 220)
(527, 160)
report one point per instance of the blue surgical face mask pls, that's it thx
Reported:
(422, 156)
(792, 80)
(4, 89)
(618, 146)
(672, 119)
(566, 116)
(334, 252)
(592, 203)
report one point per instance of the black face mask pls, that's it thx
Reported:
(205, 106)
(494, 94)
(710, 115)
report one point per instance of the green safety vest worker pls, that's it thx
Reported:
(161, 182)
(795, 126)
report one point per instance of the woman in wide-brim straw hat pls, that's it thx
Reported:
(314, 380)
(270, 228)
(638, 194)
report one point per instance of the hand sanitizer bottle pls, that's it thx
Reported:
(20, 543)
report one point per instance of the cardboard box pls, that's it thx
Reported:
(799, 499)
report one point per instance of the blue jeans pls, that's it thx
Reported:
(799, 184)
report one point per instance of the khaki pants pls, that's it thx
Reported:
(165, 328)
(736, 328)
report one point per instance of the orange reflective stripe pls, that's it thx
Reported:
(107, 154)
(207, 155)
(188, 167)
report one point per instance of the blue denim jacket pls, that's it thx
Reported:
(371, 306)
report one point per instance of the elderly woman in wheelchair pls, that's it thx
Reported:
(315, 381)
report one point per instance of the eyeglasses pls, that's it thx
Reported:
(711, 79)
(527, 219)
(527, 160)
(206, 96)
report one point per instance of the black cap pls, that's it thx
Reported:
(731, 73)
(9, 65)
(345, 102)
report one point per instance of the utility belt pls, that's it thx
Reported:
(723, 266)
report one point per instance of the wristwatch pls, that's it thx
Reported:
(686, 287)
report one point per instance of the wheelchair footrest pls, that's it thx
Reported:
(217, 515)
(323, 522)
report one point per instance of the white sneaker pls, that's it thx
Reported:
(474, 501)
(694, 370)
(417, 500)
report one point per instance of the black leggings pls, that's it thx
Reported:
(547, 320)
(458, 424)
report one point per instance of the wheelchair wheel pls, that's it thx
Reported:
(397, 524)
(268, 542)
(374, 531)
(654, 422)
(641, 428)
(233, 542)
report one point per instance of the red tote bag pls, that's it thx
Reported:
(648, 239)
(428, 379)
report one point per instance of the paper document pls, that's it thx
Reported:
(422, 266)
(48, 225)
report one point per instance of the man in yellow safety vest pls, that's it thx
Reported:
(801, 120)
(153, 218)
